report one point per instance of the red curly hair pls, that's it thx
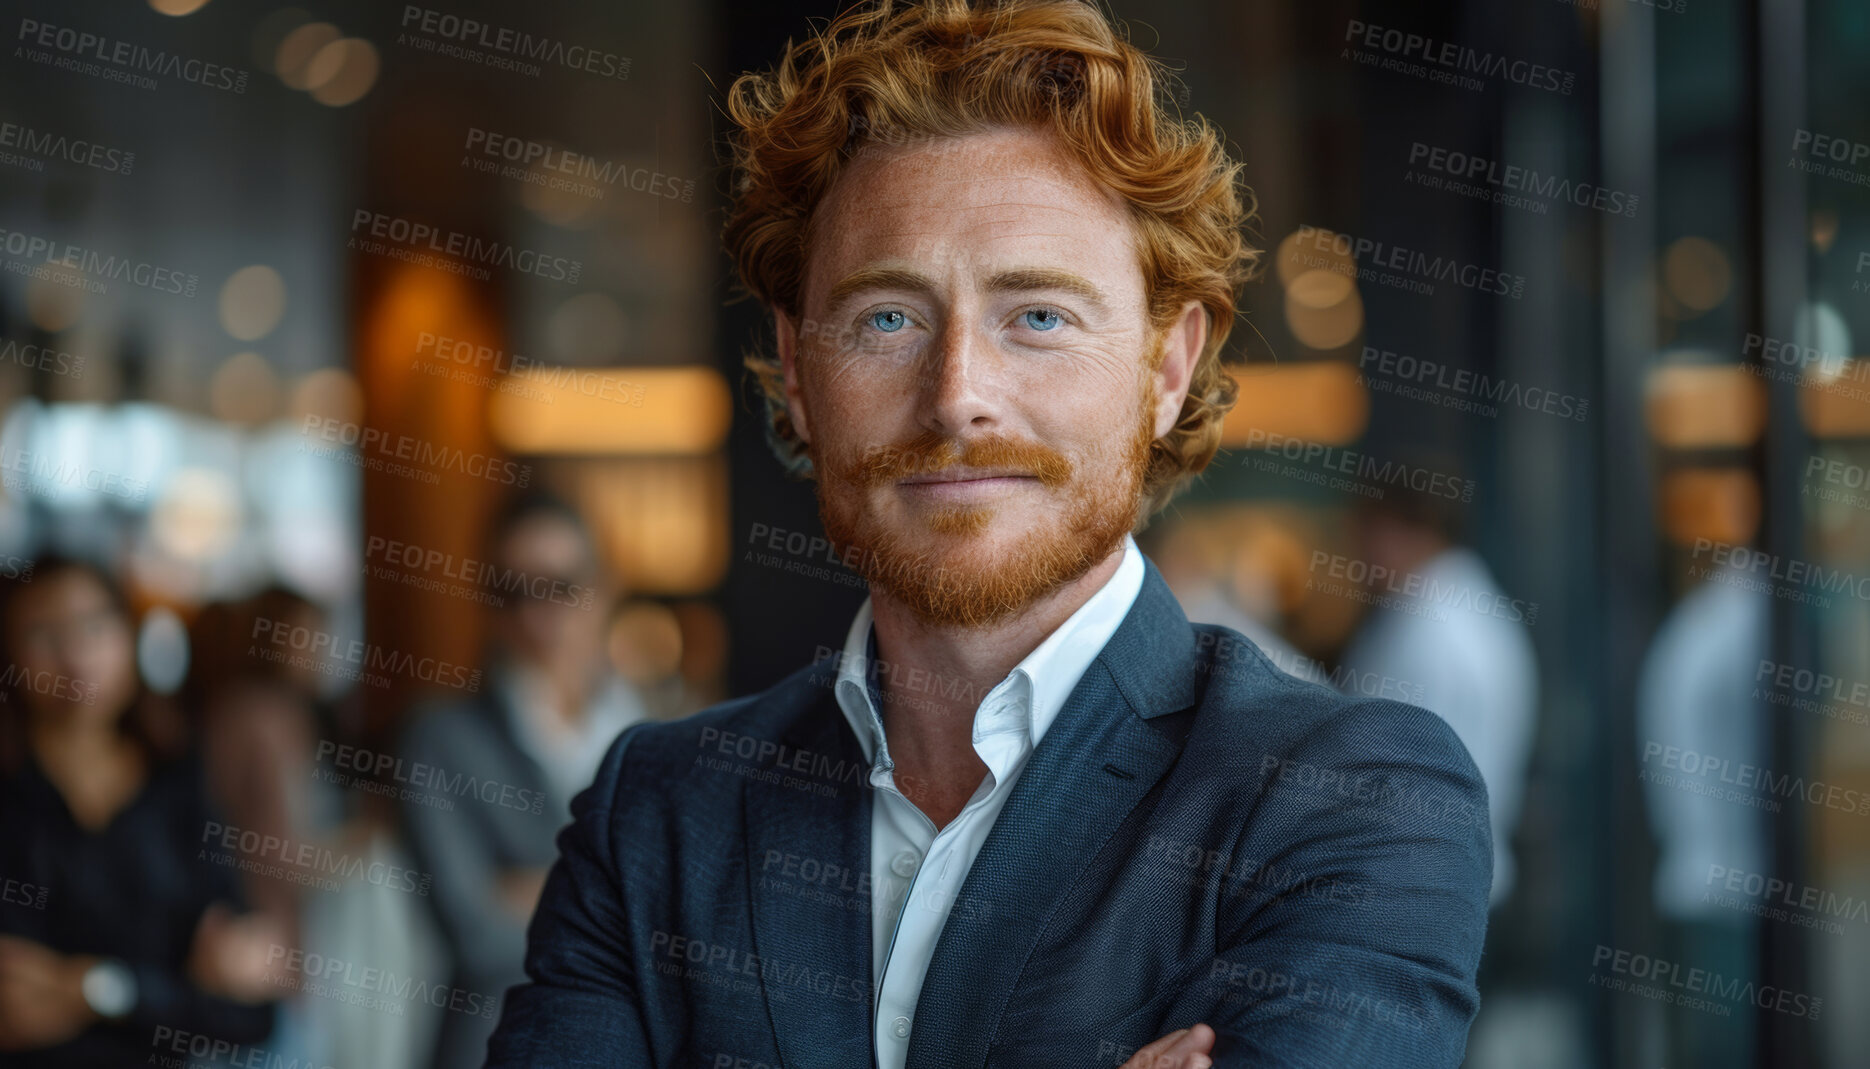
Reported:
(890, 73)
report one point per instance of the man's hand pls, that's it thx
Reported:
(1185, 1048)
(41, 995)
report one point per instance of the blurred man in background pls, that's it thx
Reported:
(546, 712)
(1697, 694)
(1439, 620)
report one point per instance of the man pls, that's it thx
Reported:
(537, 730)
(1030, 817)
(1459, 641)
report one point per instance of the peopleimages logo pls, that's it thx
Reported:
(1783, 576)
(1509, 179)
(43, 254)
(1446, 61)
(1459, 388)
(182, 1047)
(380, 450)
(314, 973)
(490, 579)
(1361, 466)
(524, 154)
(326, 653)
(303, 863)
(40, 145)
(1829, 157)
(414, 237)
(1683, 985)
(1407, 269)
(502, 47)
(131, 62)
(371, 766)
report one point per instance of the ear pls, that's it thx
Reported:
(1181, 349)
(789, 363)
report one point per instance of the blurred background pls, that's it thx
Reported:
(374, 447)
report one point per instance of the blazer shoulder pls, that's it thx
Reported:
(1273, 713)
(757, 724)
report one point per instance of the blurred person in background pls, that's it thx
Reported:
(1201, 566)
(1440, 626)
(256, 723)
(1697, 693)
(102, 813)
(326, 864)
(548, 709)
(649, 649)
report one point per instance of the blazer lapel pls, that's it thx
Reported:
(801, 935)
(1094, 765)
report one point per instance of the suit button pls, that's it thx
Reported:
(904, 865)
(900, 1026)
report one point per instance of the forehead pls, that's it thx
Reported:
(985, 201)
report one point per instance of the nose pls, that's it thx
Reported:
(960, 381)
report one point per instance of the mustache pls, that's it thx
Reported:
(930, 452)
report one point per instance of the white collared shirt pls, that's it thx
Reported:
(915, 870)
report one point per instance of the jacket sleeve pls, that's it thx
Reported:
(581, 1005)
(486, 938)
(1354, 934)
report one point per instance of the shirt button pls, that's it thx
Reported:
(904, 865)
(900, 1026)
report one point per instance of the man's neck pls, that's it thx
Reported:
(934, 678)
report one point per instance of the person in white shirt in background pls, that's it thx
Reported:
(1698, 693)
(1440, 621)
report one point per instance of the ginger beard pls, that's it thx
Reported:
(937, 564)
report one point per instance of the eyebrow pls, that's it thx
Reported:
(1014, 280)
(878, 278)
(1029, 279)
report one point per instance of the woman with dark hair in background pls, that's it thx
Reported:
(116, 936)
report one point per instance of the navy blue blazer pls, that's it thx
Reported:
(1198, 837)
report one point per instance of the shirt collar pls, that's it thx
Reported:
(1032, 694)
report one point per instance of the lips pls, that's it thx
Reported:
(962, 474)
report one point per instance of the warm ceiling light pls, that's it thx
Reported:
(1319, 325)
(640, 411)
(253, 299)
(1696, 273)
(198, 514)
(244, 390)
(1718, 504)
(661, 520)
(299, 48)
(328, 393)
(1317, 401)
(1837, 405)
(342, 72)
(1694, 406)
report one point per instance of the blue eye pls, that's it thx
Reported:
(1042, 318)
(889, 321)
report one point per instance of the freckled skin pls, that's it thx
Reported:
(958, 354)
(967, 363)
